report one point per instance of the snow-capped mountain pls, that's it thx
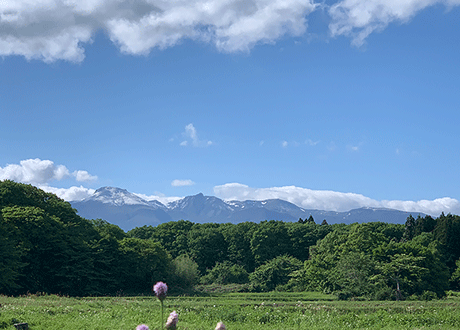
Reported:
(127, 210)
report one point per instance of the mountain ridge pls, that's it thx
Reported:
(128, 210)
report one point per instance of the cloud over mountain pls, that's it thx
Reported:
(332, 200)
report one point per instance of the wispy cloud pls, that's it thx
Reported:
(310, 142)
(191, 137)
(182, 183)
(284, 144)
(359, 18)
(332, 200)
(352, 148)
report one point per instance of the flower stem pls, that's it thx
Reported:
(161, 325)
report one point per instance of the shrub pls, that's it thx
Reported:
(274, 273)
(185, 272)
(226, 273)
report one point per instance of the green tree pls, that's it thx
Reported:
(147, 262)
(274, 273)
(207, 246)
(172, 235)
(238, 239)
(351, 275)
(10, 258)
(403, 272)
(226, 273)
(269, 240)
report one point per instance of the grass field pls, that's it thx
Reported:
(239, 311)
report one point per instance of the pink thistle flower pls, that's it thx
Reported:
(171, 323)
(160, 290)
(142, 327)
(220, 326)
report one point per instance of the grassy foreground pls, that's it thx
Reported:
(238, 311)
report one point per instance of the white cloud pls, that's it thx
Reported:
(82, 176)
(182, 183)
(359, 18)
(40, 172)
(284, 144)
(52, 30)
(159, 197)
(34, 171)
(191, 135)
(332, 200)
(69, 194)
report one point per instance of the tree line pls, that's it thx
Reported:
(46, 247)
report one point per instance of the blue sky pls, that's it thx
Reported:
(330, 105)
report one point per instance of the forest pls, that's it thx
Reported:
(46, 247)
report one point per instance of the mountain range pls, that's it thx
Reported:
(127, 210)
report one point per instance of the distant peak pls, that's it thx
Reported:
(112, 190)
(116, 196)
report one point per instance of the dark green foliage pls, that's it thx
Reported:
(46, 247)
(10, 258)
(145, 262)
(238, 238)
(447, 233)
(207, 246)
(270, 240)
(226, 273)
(172, 235)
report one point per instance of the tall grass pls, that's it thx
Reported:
(238, 311)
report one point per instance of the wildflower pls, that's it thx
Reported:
(160, 290)
(142, 327)
(220, 326)
(171, 323)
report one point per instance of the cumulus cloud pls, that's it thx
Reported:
(34, 171)
(332, 200)
(359, 18)
(182, 183)
(52, 30)
(40, 172)
(192, 138)
(82, 176)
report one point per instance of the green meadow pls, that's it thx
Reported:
(238, 311)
